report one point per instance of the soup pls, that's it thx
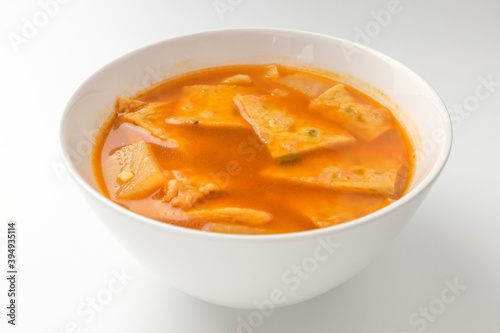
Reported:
(252, 149)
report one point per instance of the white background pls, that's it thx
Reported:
(67, 258)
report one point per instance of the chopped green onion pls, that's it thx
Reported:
(312, 132)
(289, 158)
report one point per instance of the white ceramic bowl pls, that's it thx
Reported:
(258, 271)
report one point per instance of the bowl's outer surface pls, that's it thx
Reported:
(272, 270)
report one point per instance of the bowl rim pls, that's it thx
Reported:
(425, 183)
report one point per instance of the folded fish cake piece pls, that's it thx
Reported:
(328, 213)
(231, 215)
(356, 179)
(210, 105)
(232, 220)
(284, 134)
(363, 120)
(150, 116)
(228, 228)
(184, 192)
(133, 172)
(126, 105)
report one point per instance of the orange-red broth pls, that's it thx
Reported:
(234, 158)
